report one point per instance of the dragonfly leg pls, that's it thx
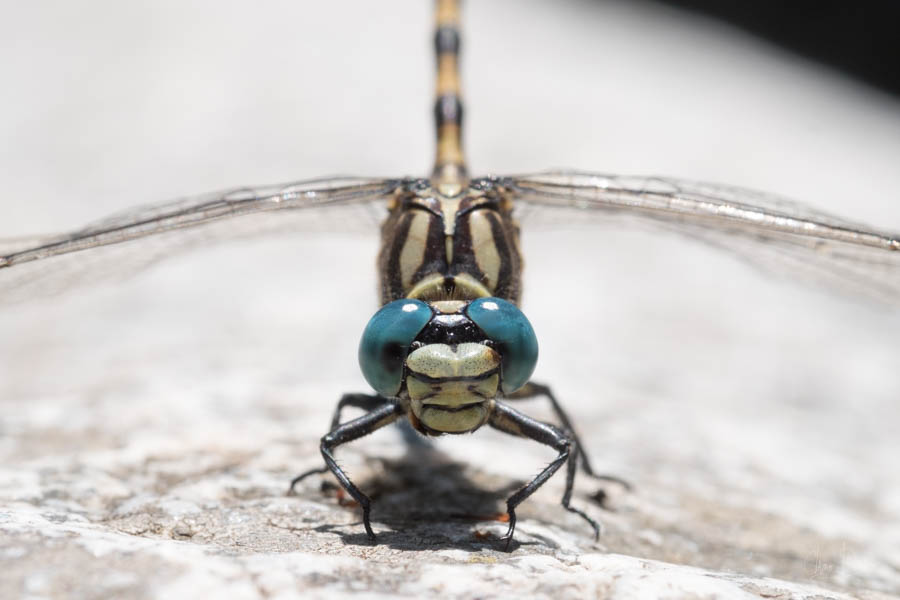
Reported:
(367, 402)
(513, 422)
(352, 430)
(533, 390)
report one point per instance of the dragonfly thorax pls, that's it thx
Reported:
(441, 245)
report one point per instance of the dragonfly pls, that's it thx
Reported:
(450, 351)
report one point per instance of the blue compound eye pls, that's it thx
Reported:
(386, 340)
(512, 333)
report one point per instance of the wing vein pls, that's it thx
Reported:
(200, 210)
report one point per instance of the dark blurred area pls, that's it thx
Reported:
(860, 38)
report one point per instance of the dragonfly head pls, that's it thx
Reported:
(449, 358)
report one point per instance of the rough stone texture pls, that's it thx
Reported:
(148, 429)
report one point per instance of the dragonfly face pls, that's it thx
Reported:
(448, 359)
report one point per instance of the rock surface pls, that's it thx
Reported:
(149, 429)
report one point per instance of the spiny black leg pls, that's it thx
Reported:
(366, 402)
(571, 468)
(348, 432)
(291, 491)
(512, 421)
(531, 390)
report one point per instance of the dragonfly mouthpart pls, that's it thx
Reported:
(450, 387)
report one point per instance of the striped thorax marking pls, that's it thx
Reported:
(411, 255)
(441, 247)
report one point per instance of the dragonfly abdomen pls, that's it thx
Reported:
(449, 164)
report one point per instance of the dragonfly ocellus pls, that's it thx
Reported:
(450, 350)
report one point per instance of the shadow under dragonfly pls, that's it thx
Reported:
(427, 500)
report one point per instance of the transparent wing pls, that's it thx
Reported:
(47, 264)
(779, 235)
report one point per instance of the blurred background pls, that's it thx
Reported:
(688, 370)
(856, 39)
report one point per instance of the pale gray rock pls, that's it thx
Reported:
(149, 428)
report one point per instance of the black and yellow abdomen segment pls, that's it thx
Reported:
(449, 164)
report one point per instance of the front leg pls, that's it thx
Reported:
(533, 390)
(366, 402)
(513, 422)
(348, 432)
